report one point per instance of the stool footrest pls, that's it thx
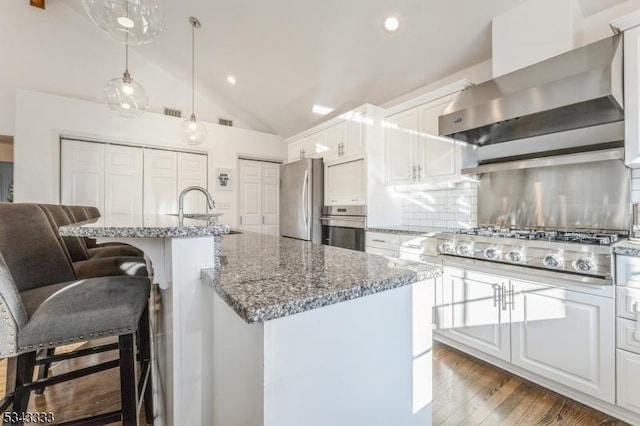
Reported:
(100, 419)
(59, 378)
(77, 353)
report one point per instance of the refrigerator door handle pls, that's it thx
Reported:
(304, 200)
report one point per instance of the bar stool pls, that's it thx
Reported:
(44, 306)
(82, 213)
(87, 263)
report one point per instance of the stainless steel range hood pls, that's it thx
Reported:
(577, 89)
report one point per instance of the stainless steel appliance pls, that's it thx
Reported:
(301, 199)
(577, 89)
(550, 220)
(573, 256)
(344, 226)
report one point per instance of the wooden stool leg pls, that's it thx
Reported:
(24, 374)
(145, 354)
(128, 388)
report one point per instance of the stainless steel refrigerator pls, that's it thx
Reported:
(301, 199)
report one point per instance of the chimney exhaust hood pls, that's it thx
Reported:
(577, 89)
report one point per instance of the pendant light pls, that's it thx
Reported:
(193, 132)
(128, 21)
(125, 96)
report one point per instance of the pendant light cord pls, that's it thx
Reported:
(193, 68)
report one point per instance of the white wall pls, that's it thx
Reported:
(59, 51)
(41, 119)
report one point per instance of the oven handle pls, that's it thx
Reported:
(344, 221)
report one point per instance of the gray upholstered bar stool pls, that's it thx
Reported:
(43, 306)
(82, 213)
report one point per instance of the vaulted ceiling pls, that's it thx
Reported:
(290, 54)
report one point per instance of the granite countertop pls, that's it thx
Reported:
(406, 230)
(263, 277)
(627, 248)
(159, 226)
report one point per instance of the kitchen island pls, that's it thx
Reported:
(261, 330)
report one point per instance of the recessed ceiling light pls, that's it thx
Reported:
(391, 24)
(321, 110)
(231, 79)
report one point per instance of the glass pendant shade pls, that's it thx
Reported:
(128, 21)
(126, 97)
(193, 132)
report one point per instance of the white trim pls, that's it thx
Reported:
(625, 22)
(432, 95)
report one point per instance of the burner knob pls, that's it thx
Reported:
(553, 261)
(493, 253)
(515, 256)
(585, 264)
(446, 247)
(464, 250)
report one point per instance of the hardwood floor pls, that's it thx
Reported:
(466, 391)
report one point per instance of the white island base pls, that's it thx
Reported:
(365, 362)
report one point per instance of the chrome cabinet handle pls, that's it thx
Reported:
(413, 173)
(304, 201)
(512, 297)
(378, 241)
(496, 295)
(419, 172)
(503, 296)
(415, 246)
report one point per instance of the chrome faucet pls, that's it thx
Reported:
(210, 202)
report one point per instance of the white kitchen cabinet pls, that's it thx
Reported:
(402, 148)
(475, 312)
(344, 183)
(632, 96)
(295, 150)
(354, 140)
(334, 139)
(564, 335)
(627, 383)
(123, 170)
(415, 154)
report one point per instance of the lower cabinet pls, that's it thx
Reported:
(563, 335)
(628, 385)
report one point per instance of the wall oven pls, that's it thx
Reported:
(344, 226)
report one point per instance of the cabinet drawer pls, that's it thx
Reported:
(381, 240)
(628, 271)
(628, 386)
(626, 335)
(382, 251)
(627, 302)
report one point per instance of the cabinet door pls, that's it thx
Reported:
(401, 147)
(250, 195)
(632, 96)
(344, 183)
(437, 154)
(270, 198)
(123, 185)
(82, 173)
(628, 386)
(476, 315)
(160, 183)
(314, 145)
(294, 151)
(334, 138)
(354, 143)
(565, 336)
(192, 171)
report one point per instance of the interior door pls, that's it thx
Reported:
(250, 195)
(160, 183)
(565, 336)
(270, 198)
(477, 318)
(192, 171)
(82, 173)
(123, 186)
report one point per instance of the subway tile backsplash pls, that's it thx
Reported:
(449, 208)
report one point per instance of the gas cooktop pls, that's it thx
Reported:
(543, 235)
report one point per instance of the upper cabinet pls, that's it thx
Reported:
(415, 154)
(632, 96)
